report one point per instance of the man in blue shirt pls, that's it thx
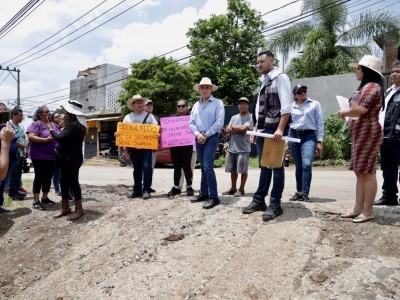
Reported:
(206, 121)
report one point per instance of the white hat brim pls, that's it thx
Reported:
(355, 65)
(72, 110)
(196, 87)
(129, 102)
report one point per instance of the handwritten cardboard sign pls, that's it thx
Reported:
(133, 135)
(176, 132)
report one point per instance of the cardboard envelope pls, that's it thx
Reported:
(272, 155)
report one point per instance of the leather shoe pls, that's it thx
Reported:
(199, 198)
(386, 201)
(212, 202)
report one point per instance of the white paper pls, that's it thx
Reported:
(267, 135)
(344, 105)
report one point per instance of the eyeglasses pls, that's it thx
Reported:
(181, 106)
(46, 111)
(57, 117)
(301, 92)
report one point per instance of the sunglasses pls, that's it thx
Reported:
(301, 92)
(181, 106)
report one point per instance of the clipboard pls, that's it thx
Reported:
(272, 155)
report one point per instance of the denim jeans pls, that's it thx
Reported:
(206, 155)
(390, 160)
(56, 179)
(266, 177)
(142, 170)
(303, 154)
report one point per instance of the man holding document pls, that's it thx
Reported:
(272, 114)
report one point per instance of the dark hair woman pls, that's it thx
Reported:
(43, 155)
(367, 135)
(70, 156)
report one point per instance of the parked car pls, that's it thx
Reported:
(163, 156)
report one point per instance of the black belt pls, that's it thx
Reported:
(300, 131)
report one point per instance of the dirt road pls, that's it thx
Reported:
(172, 249)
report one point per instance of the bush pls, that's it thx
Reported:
(337, 144)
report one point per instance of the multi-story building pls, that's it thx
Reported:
(97, 89)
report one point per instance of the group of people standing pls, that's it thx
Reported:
(55, 151)
(282, 111)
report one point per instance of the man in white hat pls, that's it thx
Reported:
(206, 121)
(389, 118)
(272, 113)
(141, 158)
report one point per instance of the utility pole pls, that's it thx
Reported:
(18, 82)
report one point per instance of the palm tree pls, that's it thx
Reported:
(328, 41)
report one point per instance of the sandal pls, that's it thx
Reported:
(350, 214)
(362, 218)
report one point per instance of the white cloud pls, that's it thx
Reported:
(133, 36)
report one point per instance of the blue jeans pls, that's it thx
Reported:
(56, 179)
(303, 154)
(266, 177)
(390, 160)
(142, 170)
(206, 155)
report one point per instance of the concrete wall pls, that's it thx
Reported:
(324, 89)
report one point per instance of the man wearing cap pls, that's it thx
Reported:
(237, 156)
(389, 118)
(272, 114)
(141, 158)
(206, 121)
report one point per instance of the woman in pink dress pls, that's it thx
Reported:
(366, 134)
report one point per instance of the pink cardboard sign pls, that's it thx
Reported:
(175, 132)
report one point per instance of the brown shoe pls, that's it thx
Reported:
(78, 213)
(65, 210)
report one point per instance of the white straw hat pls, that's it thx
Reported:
(75, 108)
(132, 100)
(370, 62)
(205, 81)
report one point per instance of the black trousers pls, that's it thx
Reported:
(181, 158)
(70, 176)
(44, 170)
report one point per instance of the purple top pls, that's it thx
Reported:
(44, 151)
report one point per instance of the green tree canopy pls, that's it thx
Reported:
(328, 41)
(225, 49)
(162, 80)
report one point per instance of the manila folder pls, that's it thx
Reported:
(272, 153)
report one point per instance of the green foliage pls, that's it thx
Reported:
(160, 79)
(328, 43)
(225, 49)
(337, 144)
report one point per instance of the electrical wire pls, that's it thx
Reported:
(58, 32)
(16, 24)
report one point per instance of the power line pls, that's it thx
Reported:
(42, 42)
(31, 55)
(27, 7)
(16, 24)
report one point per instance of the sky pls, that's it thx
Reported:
(149, 28)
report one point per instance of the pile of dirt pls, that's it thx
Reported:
(172, 249)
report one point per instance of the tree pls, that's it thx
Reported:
(329, 42)
(225, 49)
(162, 80)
